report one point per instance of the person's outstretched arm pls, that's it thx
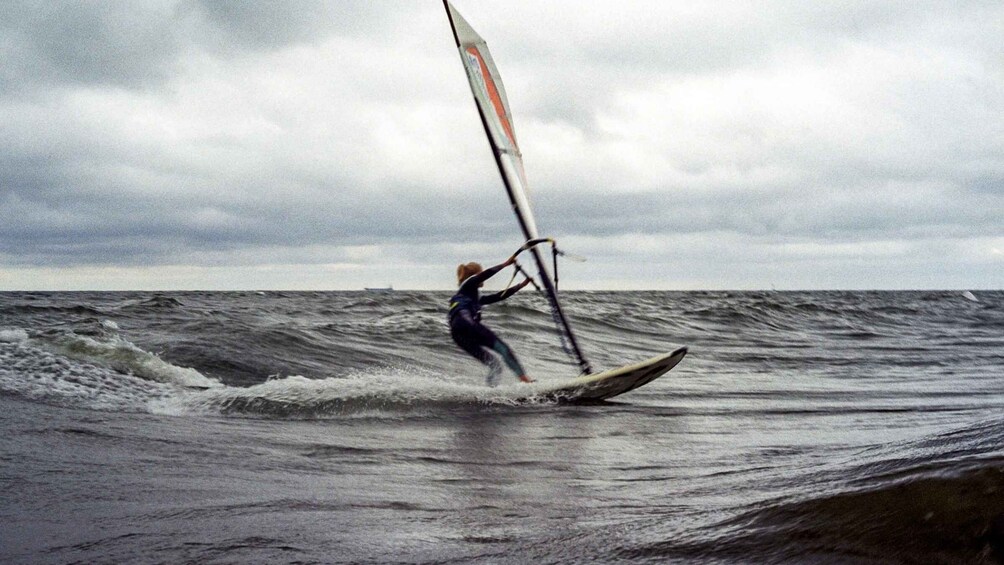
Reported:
(499, 296)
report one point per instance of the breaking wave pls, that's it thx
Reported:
(109, 372)
(125, 357)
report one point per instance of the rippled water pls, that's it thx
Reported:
(838, 427)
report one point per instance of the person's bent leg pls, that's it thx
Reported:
(477, 338)
(471, 343)
(509, 357)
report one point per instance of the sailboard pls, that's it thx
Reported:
(496, 118)
(608, 384)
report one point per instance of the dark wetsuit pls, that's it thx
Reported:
(473, 336)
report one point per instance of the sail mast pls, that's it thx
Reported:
(493, 108)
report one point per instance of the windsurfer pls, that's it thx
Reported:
(465, 320)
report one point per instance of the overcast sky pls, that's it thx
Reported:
(335, 145)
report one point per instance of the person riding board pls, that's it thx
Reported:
(465, 320)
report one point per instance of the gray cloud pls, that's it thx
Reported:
(138, 45)
(263, 25)
(250, 133)
(101, 43)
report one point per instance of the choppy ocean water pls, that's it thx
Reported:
(342, 427)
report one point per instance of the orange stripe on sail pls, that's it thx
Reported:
(493, 95)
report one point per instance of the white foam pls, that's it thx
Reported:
(13, 335)
(383, 390)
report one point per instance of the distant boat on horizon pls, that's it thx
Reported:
(387, 288)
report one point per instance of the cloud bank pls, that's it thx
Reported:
(184, 144)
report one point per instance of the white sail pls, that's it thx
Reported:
(489, 93)
(493, 107)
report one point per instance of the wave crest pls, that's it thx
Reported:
(122, 355)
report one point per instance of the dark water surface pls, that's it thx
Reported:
(834, 427)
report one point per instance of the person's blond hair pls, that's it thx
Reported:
(465, 270)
